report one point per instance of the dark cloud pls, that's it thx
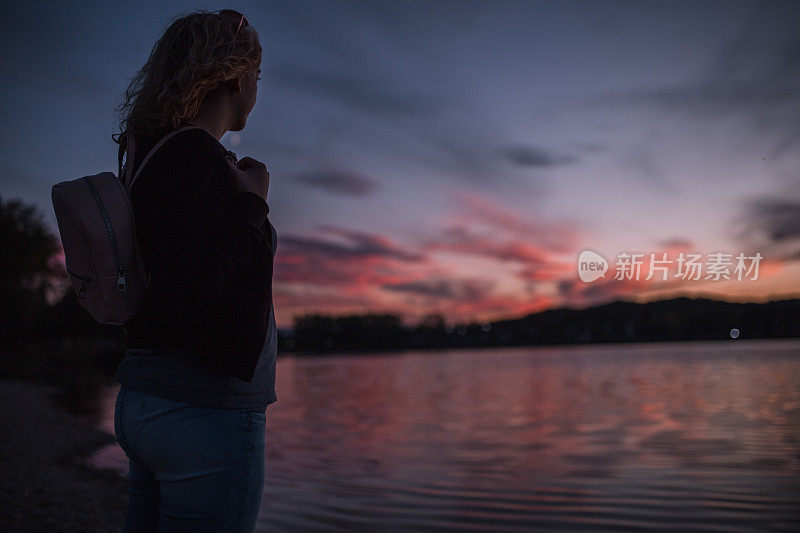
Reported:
(462, 142)
(452, 289)
(388, 73)
(462, 240)
(362, 262)
(772, 226)
(385, 74)
(676, 242)
(356, 91)
(364, 244)
(341, 182)
(531, 156)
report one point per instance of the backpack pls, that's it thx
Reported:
(98, 234)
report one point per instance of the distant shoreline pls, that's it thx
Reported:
(44, 485)
(567, 345)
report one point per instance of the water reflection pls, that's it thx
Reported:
(704, 436)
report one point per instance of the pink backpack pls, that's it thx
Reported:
(98, 235)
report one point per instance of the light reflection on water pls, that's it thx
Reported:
(701, 436)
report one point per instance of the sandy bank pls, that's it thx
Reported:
(43, 485)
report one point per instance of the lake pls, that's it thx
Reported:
(701, 436)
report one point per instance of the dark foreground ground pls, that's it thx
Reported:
(43, 485)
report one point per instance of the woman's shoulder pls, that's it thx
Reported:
(193, 139)
(192, 154)
(191, 149)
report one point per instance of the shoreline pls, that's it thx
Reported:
(45, 483)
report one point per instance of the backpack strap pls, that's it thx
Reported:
(131, 147)
(129, 157)
(126, 146)
(120, 153)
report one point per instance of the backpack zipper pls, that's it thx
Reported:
(115, 247)
(84, 280)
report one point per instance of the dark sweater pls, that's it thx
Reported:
(209, 250)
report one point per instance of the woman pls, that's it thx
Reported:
(199, 366)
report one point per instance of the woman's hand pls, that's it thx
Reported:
(251, 176)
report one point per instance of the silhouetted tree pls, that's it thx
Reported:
(367, 331)
(29, 270)
(432, 322)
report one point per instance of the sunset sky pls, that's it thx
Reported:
(456, 157)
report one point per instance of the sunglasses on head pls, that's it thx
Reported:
(235, 18)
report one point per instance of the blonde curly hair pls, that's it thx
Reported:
(195, 55)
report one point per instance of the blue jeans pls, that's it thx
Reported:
(191, 468)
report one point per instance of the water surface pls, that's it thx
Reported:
(701, 436)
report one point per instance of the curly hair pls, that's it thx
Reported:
(195, 55)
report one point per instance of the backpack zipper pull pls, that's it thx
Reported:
(121, 281)
(82, 291)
